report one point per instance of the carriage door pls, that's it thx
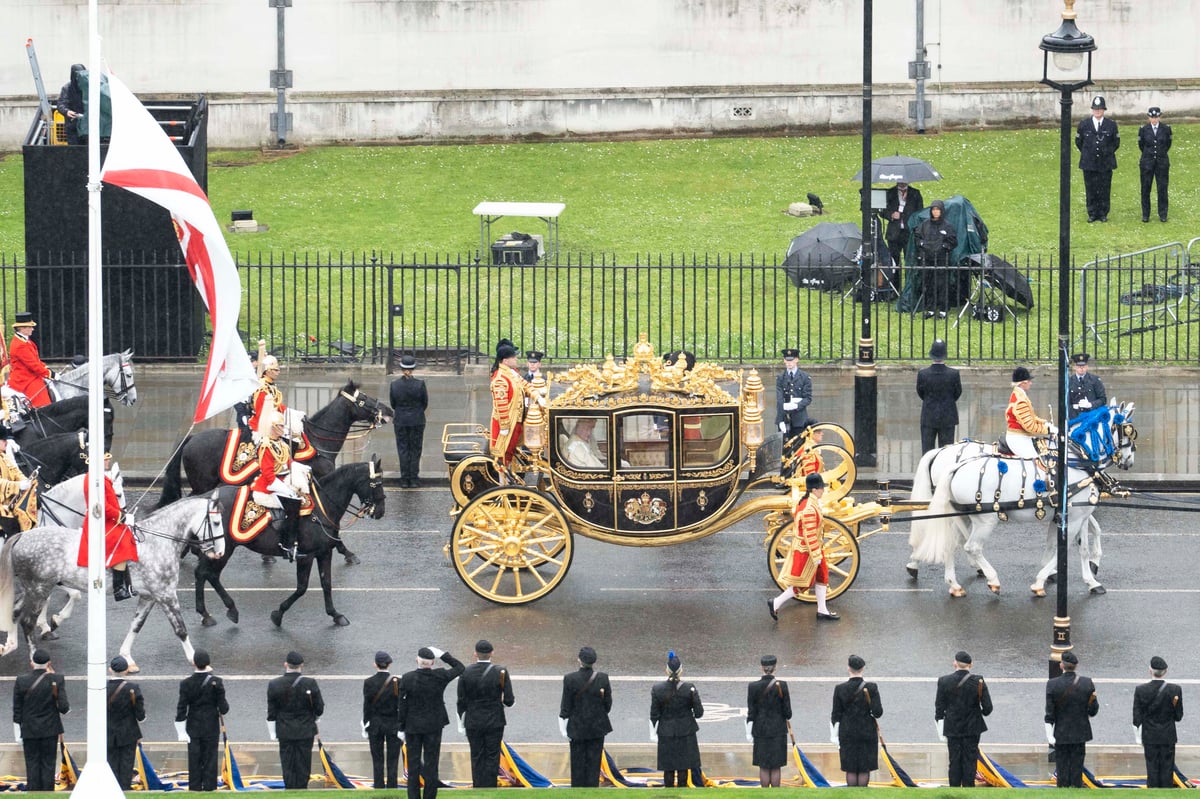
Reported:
(645, 476)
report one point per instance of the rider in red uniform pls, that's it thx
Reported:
(119, 544)
(270, 490)
(28, 374)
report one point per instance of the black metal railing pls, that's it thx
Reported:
(735, 309)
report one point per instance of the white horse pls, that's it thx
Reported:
(118, 378)
(38, 560)
(980, 491)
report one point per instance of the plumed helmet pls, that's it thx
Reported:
(270, 362)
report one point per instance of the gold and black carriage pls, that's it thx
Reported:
(640, 453)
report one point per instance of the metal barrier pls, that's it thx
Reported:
(1137, 292)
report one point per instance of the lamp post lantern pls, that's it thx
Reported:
(1066, 66)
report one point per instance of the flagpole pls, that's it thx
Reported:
(96, 780)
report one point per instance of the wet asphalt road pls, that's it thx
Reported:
(705, 600)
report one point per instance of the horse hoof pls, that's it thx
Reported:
(277, 618)
(49, 635)
(341, 621)
(134, 668)
(268, 559)
(958, 591)
(232, 615)
(994, 588)
(912, 572)
(1098, 590)
(208, 621)
(1095, 567)
(1037, 590)
(352, 559)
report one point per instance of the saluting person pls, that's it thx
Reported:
(198, 715)
(484, 690)
(1154, 140)
(768, 709)
(961, 703)
(1070, 704)
(423, 715)
(39, 703)
(583, 718)
(1157, 707)
(125, 708)
(381, 721)
(294, 704)
(853, 725)
(1086, 391)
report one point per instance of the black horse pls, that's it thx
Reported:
(58, 457)
(318, 538)
(64, 416)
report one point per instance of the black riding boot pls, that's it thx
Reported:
(123, 585)
(290, 528)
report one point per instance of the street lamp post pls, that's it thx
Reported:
(865, 385)
(1066, 66)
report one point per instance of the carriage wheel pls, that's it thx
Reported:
(471, 477)
(837, 435)
(839, 472)
(841, 552)
(511, 545)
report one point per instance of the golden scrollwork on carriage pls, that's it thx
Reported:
(639, 452)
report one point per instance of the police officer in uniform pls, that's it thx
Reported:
(1097, 140)
(793, 395)
(1070, 704)
(294, 704)
(533, 365)
(768, 709)
(1154, 140)
(409, 398)
(423, 715)
(1086, 390)
(381, 721)
(1157, 706)
(484, 690)
(126, 708)
(39, 702)
(583, 718)
(961, 703)
(939, 388)
(198, 721)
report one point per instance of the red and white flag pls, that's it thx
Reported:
(143, 160)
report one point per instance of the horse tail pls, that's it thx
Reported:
(8, 624)
(172, 489)
(922, 489)
(933, 540)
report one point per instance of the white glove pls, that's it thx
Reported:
(1052, 429)
(277, 486)
(783, 427)
(1050, 733)
(653, 733)
(129, 519)
(271, 731)
(562, 726)
(437, 653)
(833, 733)
(749, 734)
(400, 735)
(462, 726)
(1137, 735)
(16, 732)
(791, 406)
(1084, 403)
(24, 485)
(181, 731)
(365, 724)
(941, 723)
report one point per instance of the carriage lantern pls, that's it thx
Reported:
(535, 419)
(752, 414)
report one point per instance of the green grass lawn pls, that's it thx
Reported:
(664, 793)
(659, 196)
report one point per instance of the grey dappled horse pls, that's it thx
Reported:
(118, 378)
(36, 561)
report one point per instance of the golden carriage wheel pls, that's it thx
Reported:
(841, 552)
(472, 476)
(837, 435)
(511, 545)
(839, 472)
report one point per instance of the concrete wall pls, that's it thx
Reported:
(401, 69)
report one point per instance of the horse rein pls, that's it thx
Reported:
(126, 384)
(356, 399)
(375, 481)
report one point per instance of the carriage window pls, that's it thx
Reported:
(707, 440)
(583, 442)
(645, 440)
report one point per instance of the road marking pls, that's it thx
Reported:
(339, 589)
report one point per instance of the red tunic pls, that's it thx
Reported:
(274, 461)
(266, 395)
(118, 538)
(28, 373)
(807, 544)
(508, 407)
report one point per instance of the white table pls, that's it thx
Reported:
(489, 212)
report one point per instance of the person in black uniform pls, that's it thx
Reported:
(423, 715)
(674, 708)
(1157, 706)
(39, 702)
(409, 399)
(853, 725)
(198, 721)
(583, 718)
(380, 721)
(768, 708)
(125, 709)
(294, 704)
(70, 104)
(903, 201)
(533, 365)
(1085, 391)
(1154, 140)
(1070, 704)
(793, 395)
(961, 703)
(484, 690)
(1097, 140)
(939, 388)
(936, 240)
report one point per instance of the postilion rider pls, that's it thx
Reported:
(1022, 423)
(119, 545)
(28, 374)
(270, 487)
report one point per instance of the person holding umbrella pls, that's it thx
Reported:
(903, 201)
(936, 239)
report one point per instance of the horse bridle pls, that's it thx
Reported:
(374, 483)
(206, 543)
(370, 404)
(125, 384)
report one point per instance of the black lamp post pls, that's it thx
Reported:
(1066, 66)
(865, 385)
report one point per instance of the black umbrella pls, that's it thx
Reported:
(900, 169)
(825, 256)
(1004, 276)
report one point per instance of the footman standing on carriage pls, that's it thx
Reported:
(961, 703)
(271, 490)
(806, 564)
(1022, 424)
(768, 709)
(120, 547)
(508, 403)
(1070, 704)
(1157, 706)
(1086, 391)
(126, 708)
(793, 395)
(198, 715)
(28, 374)
(39, 703)
(583, 718)
(17, 491)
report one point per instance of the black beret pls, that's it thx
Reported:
(856, 663)
(118, 664)
(673, 661)
(962, 657)
(294, 658)
(1021, 374)
(382, 658)
(814, 481)
(483, 646)
(200, 659)
(41, 657)
(768, 660)
(425, 653)
(1158, 664)
(587, 655)
(1080, 358)
(1069, 657)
